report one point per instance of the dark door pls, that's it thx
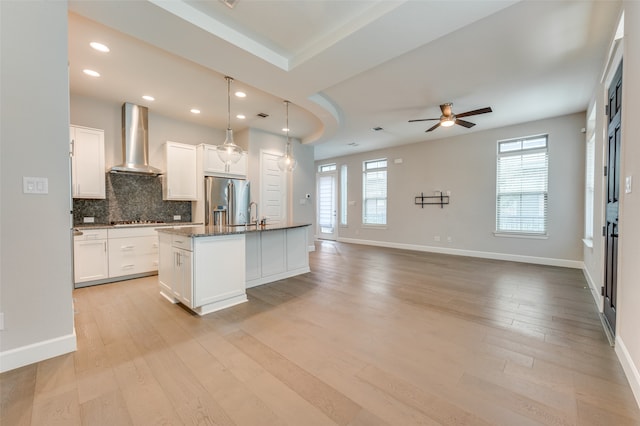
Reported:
(613, 195)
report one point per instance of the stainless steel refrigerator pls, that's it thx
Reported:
(226, 201)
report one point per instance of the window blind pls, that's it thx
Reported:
(325, 202)
(343, 195)
(522, 186)
(374, 190)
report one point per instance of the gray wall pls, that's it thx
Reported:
(466, 166)
(36, 274)
(628, 337)
(89, 112)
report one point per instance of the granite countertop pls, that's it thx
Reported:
(213, 230)
(137, 225)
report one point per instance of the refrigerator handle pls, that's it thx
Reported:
(231, 206)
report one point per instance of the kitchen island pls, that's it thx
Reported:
(208, 268)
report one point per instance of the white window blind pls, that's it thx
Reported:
(590, 176)
(343, 195)
(522, 186)
(374, 191)
(326, 208)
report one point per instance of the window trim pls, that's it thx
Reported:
(520, 233)
(366, 171)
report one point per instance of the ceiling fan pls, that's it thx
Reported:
(448, 118)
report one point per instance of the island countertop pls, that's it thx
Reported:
(215, 230)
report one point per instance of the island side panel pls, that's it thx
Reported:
(219, 272)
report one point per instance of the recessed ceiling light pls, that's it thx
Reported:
(377, 128)
(241, 116)
(148, 98)
(92, 73)
(241, 94)
(284, 129)
(195, 110)
(99, 46)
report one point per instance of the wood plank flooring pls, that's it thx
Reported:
(372, 336)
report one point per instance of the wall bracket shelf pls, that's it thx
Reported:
(424, 200)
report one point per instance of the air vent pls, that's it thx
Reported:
(377, 129)
(263, 115)
(230, 3)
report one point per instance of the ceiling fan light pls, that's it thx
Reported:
(447, 121)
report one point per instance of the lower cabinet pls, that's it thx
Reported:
(90, 256)
(132, 251)
(275, 255)
(205, 274)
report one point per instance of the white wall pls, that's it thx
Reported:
(301, 181)
(628, 314)
(36, 275)
(466, 166)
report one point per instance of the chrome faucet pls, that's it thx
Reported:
(253, 203)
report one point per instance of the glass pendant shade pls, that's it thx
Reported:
(287, 163)
(229, 153)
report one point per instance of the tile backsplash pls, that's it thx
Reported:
(131, 197)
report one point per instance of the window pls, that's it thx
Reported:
(522, 177)
(343, 195)
(327, 168)
(589, 177)
(374, 192)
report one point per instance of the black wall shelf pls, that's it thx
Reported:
(425, 200)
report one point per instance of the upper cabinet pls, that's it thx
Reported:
(213, 166)
(179, 180)
(87, 162)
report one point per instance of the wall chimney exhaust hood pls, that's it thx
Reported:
(135, 142)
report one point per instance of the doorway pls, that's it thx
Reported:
(327, 226)
(614, 132)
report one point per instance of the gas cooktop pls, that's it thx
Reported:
(137, 222)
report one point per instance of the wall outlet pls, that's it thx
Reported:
(436, 238)
(449, 239)
(88, 219)
(627, 184)
(177, 217)
(1, 321)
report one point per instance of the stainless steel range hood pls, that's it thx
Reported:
(135, 141)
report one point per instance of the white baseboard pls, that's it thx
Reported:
(576, 264)
(25, 355)
(595, 292)
(630, 369)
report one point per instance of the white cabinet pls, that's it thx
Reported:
(205, 274)
(213, 166)
(90, 256)
(132, 251)
(275, 255)
(179, 180)
(87, 162)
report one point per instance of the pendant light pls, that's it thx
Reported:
(287, 163)
(229, 152)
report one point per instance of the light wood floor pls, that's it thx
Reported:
(372, 336)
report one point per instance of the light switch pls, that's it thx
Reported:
(627, 184)
(35, 185)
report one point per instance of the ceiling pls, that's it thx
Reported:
(346, 66)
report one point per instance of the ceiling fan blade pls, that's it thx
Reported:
(433, 128)
(446, 109)
(423, 119)
(466, 124)
(475, 112)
